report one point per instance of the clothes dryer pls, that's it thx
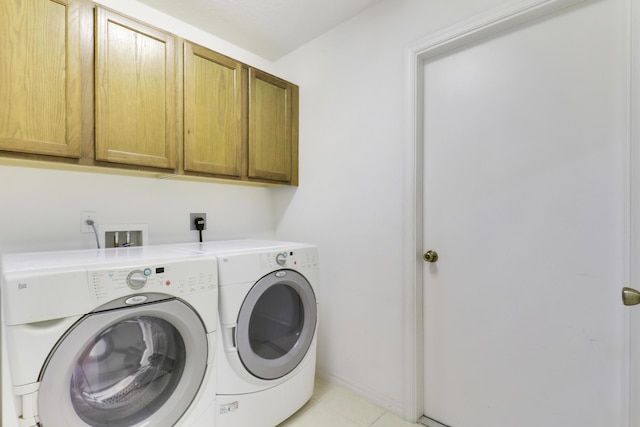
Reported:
(114, 337)
(268, 308)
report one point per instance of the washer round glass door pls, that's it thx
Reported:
(276, 324)
(127, 367)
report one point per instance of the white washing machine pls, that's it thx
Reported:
(114, 337)
(268, 310)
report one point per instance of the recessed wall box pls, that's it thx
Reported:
(123, 235)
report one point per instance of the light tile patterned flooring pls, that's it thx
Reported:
(335, 406)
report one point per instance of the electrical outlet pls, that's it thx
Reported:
(192, 220)
(84, 216)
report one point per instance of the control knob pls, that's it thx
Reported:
(136, 279)
(281, 258)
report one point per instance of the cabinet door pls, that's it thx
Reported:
(212, 112)
(272, 128)
(40, 77)
(135, 93)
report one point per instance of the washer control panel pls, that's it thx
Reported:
(178, 278)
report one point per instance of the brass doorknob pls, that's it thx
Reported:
(630, 296)
(430, 256)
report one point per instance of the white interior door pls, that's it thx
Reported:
(525, 140)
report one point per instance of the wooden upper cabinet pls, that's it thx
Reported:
(273, 127)
(135, 93)
(235, 121)
(40, 94)
(213, 99)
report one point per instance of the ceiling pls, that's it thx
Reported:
(268, 28)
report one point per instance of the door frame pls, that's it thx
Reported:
(504, 17)
(634, 211)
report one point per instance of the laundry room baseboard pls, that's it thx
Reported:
(374, 397)
(428, 422)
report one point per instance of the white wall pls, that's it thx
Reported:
(41, 208)
(350, 200)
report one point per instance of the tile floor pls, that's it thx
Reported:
(335, 406)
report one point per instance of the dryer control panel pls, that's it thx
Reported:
(302, 258)
(179, 278)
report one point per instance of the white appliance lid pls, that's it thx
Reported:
(89, 257)
(247, 245)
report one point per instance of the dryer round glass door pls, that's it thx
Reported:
(276, 324)
(127, 367)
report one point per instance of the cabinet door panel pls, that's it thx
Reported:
(40, 77)
(135, 93)
(271, 127)
(213, 112)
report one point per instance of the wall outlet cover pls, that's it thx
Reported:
(84, 216)
(192, 219)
